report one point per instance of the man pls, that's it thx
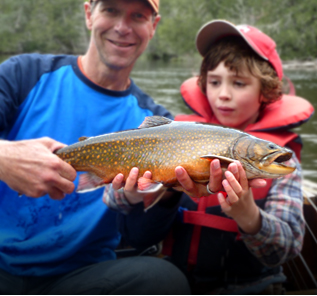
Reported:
(52, 239)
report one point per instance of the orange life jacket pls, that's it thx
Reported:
(274, 124)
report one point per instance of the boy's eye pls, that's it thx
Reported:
(214, 82)
(239, 83)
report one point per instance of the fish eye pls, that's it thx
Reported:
(271, 146)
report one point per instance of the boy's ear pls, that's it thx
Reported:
(263, 99)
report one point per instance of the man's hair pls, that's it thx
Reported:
(237, 56)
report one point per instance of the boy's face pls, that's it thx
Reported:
(235, 100)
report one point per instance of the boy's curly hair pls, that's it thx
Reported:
(237, 56)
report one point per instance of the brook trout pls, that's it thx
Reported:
(159, 145)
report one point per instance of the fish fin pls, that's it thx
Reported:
(152, 191)
(151, 121)
(89, 182)
(224, 161)
(83, 139)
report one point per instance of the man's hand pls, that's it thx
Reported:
(215, 180)
(30, 167)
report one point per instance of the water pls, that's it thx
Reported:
(162, 82)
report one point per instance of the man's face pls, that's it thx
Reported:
(121, 31)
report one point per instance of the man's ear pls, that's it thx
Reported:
(88, 16)
(155, 22)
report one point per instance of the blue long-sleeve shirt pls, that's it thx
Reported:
(48, 95)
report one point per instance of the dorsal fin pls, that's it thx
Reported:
(83, 139)
(152, 121)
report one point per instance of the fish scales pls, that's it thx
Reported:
(160, 145)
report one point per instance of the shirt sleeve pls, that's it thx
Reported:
(283, 224)
(10, 98)
(142, 229)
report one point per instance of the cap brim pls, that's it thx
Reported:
(154, 5)
(215, 30)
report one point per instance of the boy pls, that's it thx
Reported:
(239, 82)
(240, 87)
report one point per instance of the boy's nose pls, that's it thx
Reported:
(225, 93)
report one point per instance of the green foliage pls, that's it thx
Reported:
(292, 24)
(58, 25)
(178, 27)
(37, 25)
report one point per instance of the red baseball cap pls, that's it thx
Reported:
(262, 44)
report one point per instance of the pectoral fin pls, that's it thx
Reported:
(89, 182)
(152, 191)
(224, 161)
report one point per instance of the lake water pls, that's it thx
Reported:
(162, 82)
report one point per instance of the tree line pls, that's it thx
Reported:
(57, 26)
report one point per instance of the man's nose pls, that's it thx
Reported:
(122, 26)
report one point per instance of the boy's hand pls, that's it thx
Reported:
(130, 186)
(215, 180)
(198, 190)
(239, 203)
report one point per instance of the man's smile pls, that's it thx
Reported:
(121, 44)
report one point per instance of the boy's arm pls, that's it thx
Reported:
(142, 229)
(139, 228)
(281, 235)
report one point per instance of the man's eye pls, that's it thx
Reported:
(109, 10)
(139, 16)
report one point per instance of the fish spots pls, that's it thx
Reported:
(156, 149)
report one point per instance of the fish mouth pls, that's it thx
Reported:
(273, 163)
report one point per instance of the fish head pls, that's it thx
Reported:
(261, 158)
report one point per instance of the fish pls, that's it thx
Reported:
(160, 144)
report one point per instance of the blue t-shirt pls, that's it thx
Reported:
(48, 95)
